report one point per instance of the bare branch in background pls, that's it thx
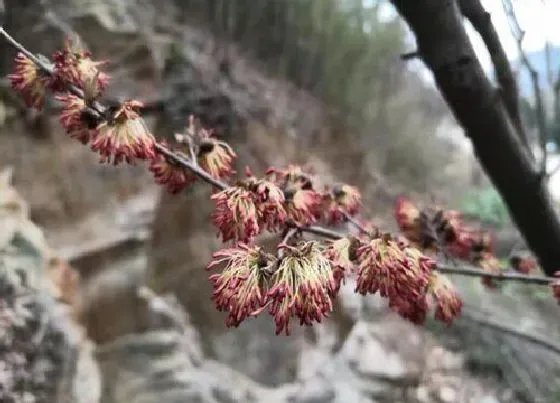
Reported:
(445, 48)
(483, 320)
(481, 21)
(542, 125)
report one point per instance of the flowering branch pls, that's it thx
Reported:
(302, 278)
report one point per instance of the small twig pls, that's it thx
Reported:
(290, 233)
(410, 55)
(356, 224)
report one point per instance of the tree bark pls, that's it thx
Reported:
(445, 48)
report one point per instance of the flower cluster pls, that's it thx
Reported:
(437, 229)
(124, 136)
(240, 289)
(298, 285)
(243, 211)
(302, 286)
(397, 272)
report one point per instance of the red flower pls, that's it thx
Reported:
(76, 120)
(448, 301)
(407, 216)
(236, 214)
(240, 289)
(73, 65)
(342, 200)
(29, 81)
(302, 287)
(124, 136)
(174, 177)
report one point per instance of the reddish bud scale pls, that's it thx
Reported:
(240, 288)
(236, 215)
(124, 137)
(72, 118)
(29, 81)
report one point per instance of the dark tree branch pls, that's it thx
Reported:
(481, 21)
(445, 48)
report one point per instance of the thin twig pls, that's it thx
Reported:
(195, 169)
(356, 224)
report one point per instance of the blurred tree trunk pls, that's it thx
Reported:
(445, 48)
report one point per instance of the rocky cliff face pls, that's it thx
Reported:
(363, 354)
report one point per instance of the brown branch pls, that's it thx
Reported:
(203, 175)
(481, 21)
(542, 125)
(447, 51)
